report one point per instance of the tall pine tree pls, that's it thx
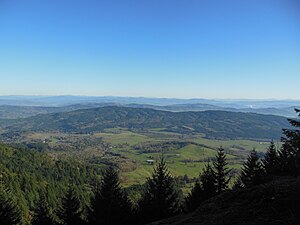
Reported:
(110, 205)
(194, 198)
(202, 190)
(42, 214)
(252, 171)
(221, 171)
(287, 165)
(271, 160)
(290, 152)
(160, 198)
(208, 182)
(70, 210)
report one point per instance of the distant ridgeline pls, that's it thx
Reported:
(213, 124)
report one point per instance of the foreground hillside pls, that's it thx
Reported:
(214, 124)
(28, 174)
(275, 203)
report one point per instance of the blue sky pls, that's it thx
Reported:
(152, 48)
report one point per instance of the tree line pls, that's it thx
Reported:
(160, 198)
(275, 164)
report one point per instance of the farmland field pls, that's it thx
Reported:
(186, 160)
(130, 150)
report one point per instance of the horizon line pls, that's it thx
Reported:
(149, 97)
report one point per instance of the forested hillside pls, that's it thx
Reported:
(28, 175)
(213, 124)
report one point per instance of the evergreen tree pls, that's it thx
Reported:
(42, 214)
(287, 165)
(208, 182)
(9, 213)
(252, 171)
(237, 184)
(221, 171)
(70, 210)
(271, 160)
(160, 198)
(110, 205)
(290, 152)
(206, 188)
(194, 198)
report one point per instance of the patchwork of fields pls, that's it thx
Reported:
(188, 158)
(135, 152)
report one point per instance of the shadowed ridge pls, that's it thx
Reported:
(274, 203)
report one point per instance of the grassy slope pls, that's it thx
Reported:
(189, 160)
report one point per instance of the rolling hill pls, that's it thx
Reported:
(20, 111)
(24, 111)
(214, 124)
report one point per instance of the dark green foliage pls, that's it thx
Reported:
(274, 203)
(70, 211)
(110, 205)
(271, 160)
(252, 171)
(215, 124)
(212, 182)
(42, 214)
(29, 174)
(221, 171)
(208, 182)
(160, 198)
(287, 165)
(205, 189)
(290, 152)
(194, 198)
(237, 184)
(9, 213)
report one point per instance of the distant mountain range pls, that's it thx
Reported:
(214, 124)
(23, 111)
(248, 119)
(71, 100)
(285, 111)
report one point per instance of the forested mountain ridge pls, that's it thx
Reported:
(277, 111)
(214, 124)
(24, 111)
(20, 111)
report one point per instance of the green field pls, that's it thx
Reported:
(130, 150)
(188, 160)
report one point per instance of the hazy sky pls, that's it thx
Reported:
(154, 48)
